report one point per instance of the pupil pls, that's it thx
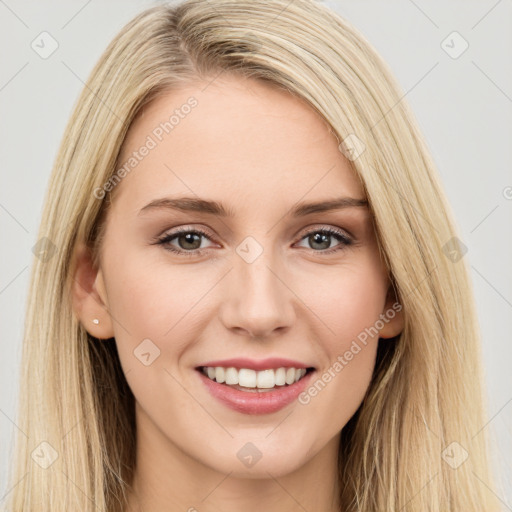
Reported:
(321, 238)
(189, 239)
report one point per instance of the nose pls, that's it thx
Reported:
(259, 301)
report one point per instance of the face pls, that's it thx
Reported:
(184, 284)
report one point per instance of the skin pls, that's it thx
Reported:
(259, 151)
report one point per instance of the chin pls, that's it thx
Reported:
(250, 457)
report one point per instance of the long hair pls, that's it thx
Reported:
(416, 442)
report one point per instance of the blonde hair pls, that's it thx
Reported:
(427, 387)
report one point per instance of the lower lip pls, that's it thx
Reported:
(264, 402)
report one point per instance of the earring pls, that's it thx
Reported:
(96, 321)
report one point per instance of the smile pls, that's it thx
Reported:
(255, 392)
(245, 379)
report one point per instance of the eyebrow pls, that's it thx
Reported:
(192, 204)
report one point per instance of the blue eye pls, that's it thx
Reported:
(190, 240)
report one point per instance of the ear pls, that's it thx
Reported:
(392, 316)
(89, 297)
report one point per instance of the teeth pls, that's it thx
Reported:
(290, 376)
(266, 379)
(247, 378)
(220, 375)
(280, 375)
(231, 375)
(244, 377)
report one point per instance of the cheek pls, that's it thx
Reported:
(347, 298)
(151, 298)
(156, 309)
(146, 295)
(348, 303)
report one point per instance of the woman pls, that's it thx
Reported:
(188, 344)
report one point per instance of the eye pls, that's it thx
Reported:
(189, 240)
(321, 238)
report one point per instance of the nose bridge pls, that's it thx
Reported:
(259, 301)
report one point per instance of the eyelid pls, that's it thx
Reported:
(303, 232)
(325, 227)
(174, 232)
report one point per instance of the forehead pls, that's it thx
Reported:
(243, 139)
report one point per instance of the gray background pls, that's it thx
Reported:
(463, 105)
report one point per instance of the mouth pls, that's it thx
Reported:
(253, 381)
(256, 391)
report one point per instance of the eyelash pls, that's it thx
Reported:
(166, 239)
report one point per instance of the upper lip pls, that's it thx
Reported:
(253, 364)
